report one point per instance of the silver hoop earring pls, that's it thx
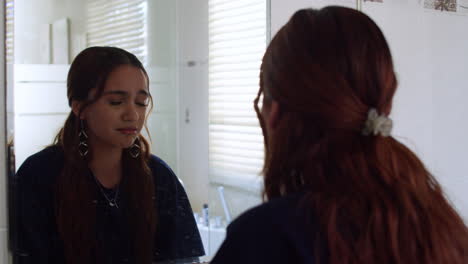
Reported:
(83, 144)
(135, 148)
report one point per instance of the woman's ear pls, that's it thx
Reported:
(76, 108)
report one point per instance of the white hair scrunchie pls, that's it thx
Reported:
(377, 124)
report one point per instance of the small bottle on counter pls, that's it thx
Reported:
(206, 215)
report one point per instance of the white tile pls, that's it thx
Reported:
(41, 98)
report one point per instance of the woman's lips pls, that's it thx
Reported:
(128, 131)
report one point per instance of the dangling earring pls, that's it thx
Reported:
(135, 148)
(83, 145)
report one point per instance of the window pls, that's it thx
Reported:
(119, 23)
(237, 41)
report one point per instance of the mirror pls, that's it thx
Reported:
(37, 93)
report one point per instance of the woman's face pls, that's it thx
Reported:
(117, 117)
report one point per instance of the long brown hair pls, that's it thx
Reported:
(75, 210)
(374, 199)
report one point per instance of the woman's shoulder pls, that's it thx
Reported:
(159, 166)
(156, 163)
(44, 157)
(277, 231)
(289, 218)
(42, 163)
(274, 213)
(40, 170)
(162, 173)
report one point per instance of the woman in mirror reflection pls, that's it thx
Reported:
(97, 194)
(339, 188)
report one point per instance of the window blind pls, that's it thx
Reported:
(9, 19)
(237, 41)
(119, 23)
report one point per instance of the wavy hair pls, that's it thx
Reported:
(75, 212)
(374, 199)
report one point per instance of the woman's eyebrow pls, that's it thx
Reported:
(120, 92)
(143, 92)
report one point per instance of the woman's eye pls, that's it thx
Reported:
(142, 104)
(115, 102)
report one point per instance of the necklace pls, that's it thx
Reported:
(112, 202)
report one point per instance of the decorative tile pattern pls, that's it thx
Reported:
(441, 5)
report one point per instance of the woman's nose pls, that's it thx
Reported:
(131, 113)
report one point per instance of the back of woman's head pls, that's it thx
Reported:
(375, 200)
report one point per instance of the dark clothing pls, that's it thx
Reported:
(282, 231)
(38, 242)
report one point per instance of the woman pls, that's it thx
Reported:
(97, 195)
(340, 188)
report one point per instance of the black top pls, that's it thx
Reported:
(282, 231)
(36, 238)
